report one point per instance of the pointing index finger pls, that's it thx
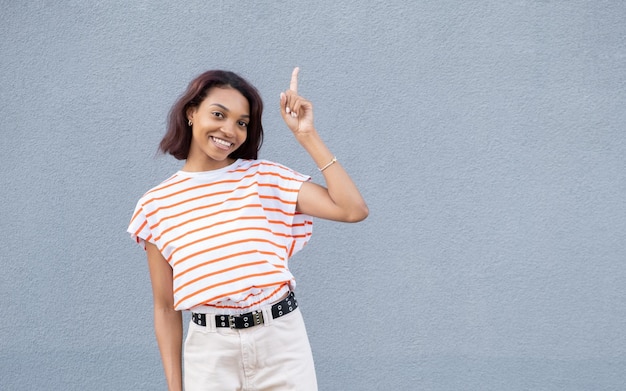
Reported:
(294, 80)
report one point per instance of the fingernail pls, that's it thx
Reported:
(294, 115)
(288, 110)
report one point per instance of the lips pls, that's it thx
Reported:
(222, 144)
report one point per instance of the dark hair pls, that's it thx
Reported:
(177, 139)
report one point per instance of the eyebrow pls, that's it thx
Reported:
(226, 109)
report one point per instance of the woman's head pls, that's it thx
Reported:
(177, 139)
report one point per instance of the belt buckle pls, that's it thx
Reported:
(253, 319)
(231, 321)
(257, 318)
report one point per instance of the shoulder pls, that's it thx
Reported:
(165, 186)
(257, 164)
(278, 169)
(261, 166)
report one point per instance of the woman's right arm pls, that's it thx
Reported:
(168, 324)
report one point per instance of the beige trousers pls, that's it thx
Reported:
(273, 356)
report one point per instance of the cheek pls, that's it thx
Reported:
(194, 134)
(244, 136)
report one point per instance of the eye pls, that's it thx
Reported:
(243, 124)
(218, 114)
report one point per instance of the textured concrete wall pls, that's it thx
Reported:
(487, 136)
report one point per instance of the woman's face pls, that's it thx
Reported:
(219, 127)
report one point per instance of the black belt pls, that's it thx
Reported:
(283, 307)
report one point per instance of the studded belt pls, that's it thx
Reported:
(251, 319)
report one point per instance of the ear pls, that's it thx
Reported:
(190, 112)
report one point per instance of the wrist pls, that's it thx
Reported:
(308, 136)
(316, 148)
(330, 163)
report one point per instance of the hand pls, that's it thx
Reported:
(297, 112)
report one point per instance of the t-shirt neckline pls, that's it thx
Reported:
(210, 172)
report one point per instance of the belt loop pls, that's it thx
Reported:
(267, 315)
(210, 322)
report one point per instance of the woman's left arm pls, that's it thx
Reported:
(340, 200)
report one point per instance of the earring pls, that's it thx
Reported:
(190, 123)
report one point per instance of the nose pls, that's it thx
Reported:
(228, 129)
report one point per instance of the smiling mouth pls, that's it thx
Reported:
(222, 143)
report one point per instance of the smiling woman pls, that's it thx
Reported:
(218, 235)
(218, 129)
(177, 140)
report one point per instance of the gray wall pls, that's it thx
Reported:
(487, 137)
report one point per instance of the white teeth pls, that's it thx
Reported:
(222, 142)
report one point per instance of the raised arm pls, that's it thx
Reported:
(168, 325)
(340, 200)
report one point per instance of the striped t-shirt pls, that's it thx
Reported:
(227, 233)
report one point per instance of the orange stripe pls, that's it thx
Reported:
(141, 227)
(203, 228)
(277, 175)
(207, 195)
(207, 216)
(269, 297)
(278, 198)
(226, 245)
(226, 283)
(276, 222)
(279, 211)
(158, 187)
(268, 253)
(226, 295)
(285, 189)
(211, 184)
(167, 184)
(169, 258)
(212, 206)
(217, 183)
(210, 195)
(293, 245)
(228, 269)
(269, 164)
(139, 210)
(244, 169)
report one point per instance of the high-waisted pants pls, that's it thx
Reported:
(272, 356)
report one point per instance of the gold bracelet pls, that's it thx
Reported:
(329, 164)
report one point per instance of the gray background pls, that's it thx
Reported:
(488, 138)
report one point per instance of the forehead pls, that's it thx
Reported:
(228, 97)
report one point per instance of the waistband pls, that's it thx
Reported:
(250, 319)
(261, 299)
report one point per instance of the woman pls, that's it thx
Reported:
(219, 232)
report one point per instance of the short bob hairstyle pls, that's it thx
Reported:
(177, 139)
